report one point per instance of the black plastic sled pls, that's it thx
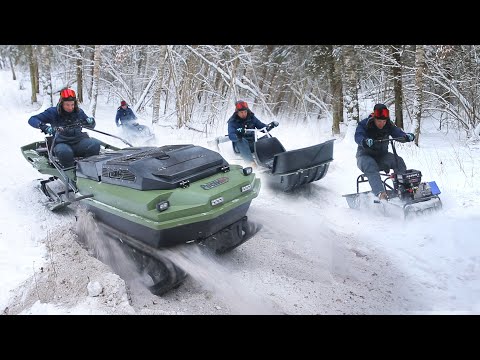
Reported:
(286, 170)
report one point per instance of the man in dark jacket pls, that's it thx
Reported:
(65, 122)
(374, 156)
(243, 118)
(125, 115)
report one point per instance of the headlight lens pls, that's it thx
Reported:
(217, 201)
(163, 205)
(246, 188)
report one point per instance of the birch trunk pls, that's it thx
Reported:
(418, 99)
(397, 84)
(96, 78)
(79, 67)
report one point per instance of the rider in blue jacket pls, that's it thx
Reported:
(243, 118)
(125, 115)
(65, 122)
(374, 156)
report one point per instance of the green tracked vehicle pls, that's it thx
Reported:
(152, 198)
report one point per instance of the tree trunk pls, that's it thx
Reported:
(32, 73)
(158, 84)
(446, 62)
(92, 69)
(189, 86)
(167, 90)
(46, 52)
(338, 90)
(137, 79)
(37, 75)
(12, 67)
(397, 84)
(233, 73)
(96, 79)
(418, 100)
(351, 89)
(334, 76)
(178, 103)
(146, 65)
(262, 84)
(79, 67)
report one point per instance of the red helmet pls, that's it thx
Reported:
(68, 95)
(381, 112)
(241, 105)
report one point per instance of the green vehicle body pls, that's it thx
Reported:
(125, 208)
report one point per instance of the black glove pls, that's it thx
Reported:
(46, 129)
(367, 142)
(241, 131)
(272, 125)
(409, 137)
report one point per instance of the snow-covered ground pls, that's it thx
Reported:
(314, 255)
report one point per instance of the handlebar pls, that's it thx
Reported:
(257, 133)
(267, 128)
(71, 126)
(399, 139)
(83, 125)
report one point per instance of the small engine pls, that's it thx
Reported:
(410, 185)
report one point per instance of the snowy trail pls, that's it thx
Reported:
(446, 282)
(429, 283)
(21, 244)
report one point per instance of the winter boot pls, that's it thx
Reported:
(382, 195)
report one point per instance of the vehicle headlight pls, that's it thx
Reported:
(247, 171)
(217, 201)
(163, 205)
(246, 188)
